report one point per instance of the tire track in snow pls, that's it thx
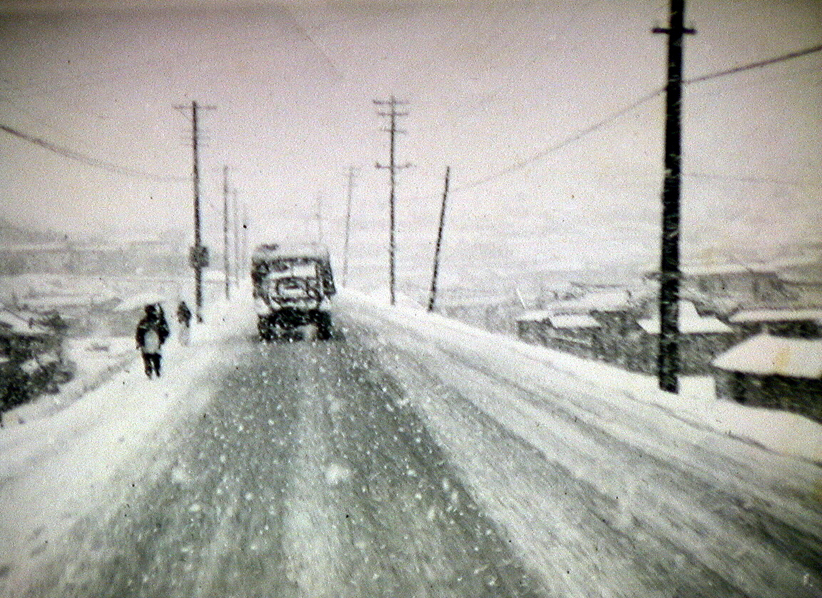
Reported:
(669, 496)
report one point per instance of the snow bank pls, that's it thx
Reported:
(779, 431)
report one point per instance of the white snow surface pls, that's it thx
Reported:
(60, 458)
(768, 355)
(779, 431)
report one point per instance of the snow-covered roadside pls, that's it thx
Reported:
(603, 487)
(780, 431)
(54, 467)
(96, 360)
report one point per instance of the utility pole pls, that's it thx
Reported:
(351, 174)
(225, 234)
(392, 167)
(432, 297)
(244, 260)
(236, 240)
(198, 254)
(319, 218)
(668, 356)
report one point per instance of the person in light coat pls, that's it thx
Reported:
(152, 331)
(184, 319)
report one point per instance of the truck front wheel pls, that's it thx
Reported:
(265, 328)
(323, 322)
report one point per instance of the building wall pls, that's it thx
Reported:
(798, 395)
(620, 342)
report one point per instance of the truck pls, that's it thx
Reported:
(292, 287)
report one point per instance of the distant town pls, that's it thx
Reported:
(753, 326)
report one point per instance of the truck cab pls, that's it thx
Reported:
(292, 286)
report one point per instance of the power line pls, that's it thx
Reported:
(623, 111)
(756, 65)
(749, 179)
(89, 160)
(565, 142)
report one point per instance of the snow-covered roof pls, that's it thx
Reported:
(562, 320)
(690, 322)
(604, 301)
(537, 315)
(573, 321)
(19, 325)
(776, 315)
(726, 268)
(766, 355)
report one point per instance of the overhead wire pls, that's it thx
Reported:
(516, 166)
(755, 65)
(89, 160)
(519, 165)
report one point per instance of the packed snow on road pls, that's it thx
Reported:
(408, 455)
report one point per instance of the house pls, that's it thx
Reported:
(772, 371)
(30, 356)
(796, 323)
(600, 325)
(700, 339)
(573, 333)
(746, 284)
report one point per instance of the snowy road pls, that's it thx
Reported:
(400, 459)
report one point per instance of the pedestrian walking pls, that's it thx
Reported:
(184, 319)
(152, 331)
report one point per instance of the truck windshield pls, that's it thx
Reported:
(301, 269)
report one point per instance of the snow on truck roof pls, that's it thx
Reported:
(273, 251)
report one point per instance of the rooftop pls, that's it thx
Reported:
(690, 322)
(767, 355)
(776, 315)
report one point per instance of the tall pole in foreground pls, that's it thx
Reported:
(432, 297)
(225, 234)
(392, 167)
(351, 172)
(668, 356)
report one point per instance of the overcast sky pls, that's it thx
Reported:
(493, 90)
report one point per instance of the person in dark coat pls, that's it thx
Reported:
(152, 331)
(184, 319)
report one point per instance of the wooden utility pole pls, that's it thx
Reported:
(392, 167)
(668, 356)
(198, 254)
(226, 257)
(244, 259)
(351, 174)
(319, 218)
(432, 297)
(236, 240)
